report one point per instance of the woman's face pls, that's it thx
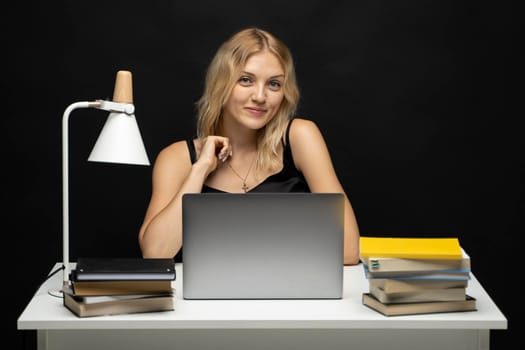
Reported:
(258, 93)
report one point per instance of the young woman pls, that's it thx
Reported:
(248, 140)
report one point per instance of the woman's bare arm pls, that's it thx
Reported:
(173, 175)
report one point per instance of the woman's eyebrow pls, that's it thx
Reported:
(272, 77)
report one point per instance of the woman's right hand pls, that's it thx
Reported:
(212, 150)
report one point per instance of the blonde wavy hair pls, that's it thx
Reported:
(221, 77)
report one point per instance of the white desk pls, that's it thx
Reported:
(263, 324)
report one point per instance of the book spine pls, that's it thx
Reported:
(449, 294)
(399, 265)
(399, 285)
(124, 276)
(389, 309)
(463, 274)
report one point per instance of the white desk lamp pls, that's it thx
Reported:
(119, 142)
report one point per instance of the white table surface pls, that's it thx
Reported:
(47, 312)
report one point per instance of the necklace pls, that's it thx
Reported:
(244, 186)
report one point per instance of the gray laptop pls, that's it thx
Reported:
(263, 246)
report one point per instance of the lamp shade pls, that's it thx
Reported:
(120, 141)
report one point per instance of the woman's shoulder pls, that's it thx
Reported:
(175, 148)
(174, 153)
(302, 129)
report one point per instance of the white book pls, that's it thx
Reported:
(382, 266)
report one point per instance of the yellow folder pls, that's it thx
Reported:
(410, 248)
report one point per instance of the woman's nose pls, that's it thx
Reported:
(259, 94)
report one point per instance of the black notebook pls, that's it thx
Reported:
(123, 269)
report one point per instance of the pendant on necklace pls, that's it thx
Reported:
(244, 187)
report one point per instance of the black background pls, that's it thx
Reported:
(417, 100)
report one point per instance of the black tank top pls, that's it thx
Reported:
(289, 179)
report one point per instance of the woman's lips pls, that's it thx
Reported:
(255, 111)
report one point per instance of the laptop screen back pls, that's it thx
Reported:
(263, 245)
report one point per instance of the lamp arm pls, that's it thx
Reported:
(118, 107)
(65, 183)
(127, 108)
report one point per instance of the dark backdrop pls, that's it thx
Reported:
(417, 101)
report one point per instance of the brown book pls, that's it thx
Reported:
(398, 309)
(90, 306)
(410, 285)
(86, 288)
(443, 294)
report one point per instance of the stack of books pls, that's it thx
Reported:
(109, 286)
(415, 275)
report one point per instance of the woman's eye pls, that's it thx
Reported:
(245, 80)
(274, 84)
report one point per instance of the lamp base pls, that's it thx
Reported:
(57, 293)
